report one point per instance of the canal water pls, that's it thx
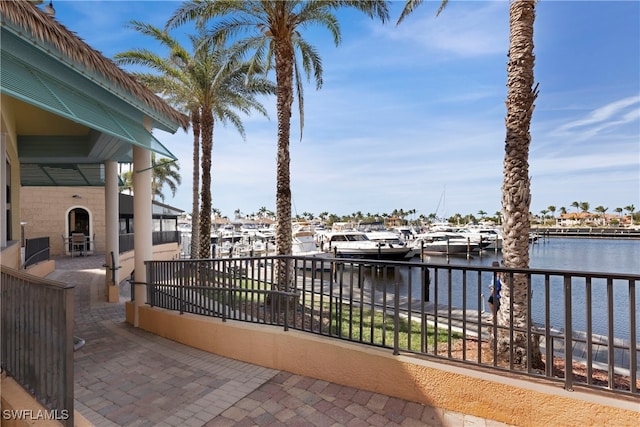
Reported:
(576, 254)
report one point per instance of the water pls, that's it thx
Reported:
(583, 255)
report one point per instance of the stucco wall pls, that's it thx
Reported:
(46, 210)
(19, 408)
(10, 256)
(502, 397)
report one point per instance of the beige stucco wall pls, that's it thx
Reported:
(46, 210)
(10, 256)
(165, 252)
(484, 394)
(16, 398)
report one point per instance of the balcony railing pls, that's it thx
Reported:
(158, 238)
(584, 324)
(36, 250)
(37, 339)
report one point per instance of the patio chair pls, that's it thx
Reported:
(78, 244)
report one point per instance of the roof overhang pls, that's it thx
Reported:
(71, 114)
(114, 132)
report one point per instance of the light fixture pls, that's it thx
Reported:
(49, 10)
(77, 196)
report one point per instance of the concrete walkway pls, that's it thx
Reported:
(125, 376)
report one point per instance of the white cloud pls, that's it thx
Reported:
(611, 115)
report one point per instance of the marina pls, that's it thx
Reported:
(402, 298)
(585, 254)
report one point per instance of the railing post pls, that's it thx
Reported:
(396, 318)
(568, 336)
(633, 343)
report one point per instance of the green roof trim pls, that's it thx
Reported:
(63, 175)
(33, 86)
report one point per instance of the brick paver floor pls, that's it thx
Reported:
(125, 376)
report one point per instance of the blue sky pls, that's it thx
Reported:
(412, 116)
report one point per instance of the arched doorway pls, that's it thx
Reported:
(79, 221)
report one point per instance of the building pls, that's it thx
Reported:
(68, 117)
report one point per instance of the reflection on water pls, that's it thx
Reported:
(471, 289)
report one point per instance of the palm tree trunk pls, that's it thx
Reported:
(284, 98)
(516, 192)
(205, 195)
(195, 210)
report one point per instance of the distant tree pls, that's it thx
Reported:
(165, 172)
(576, 205)
(601, 210)
(544, 213)
(482, 214)
(127, 182)
(584, 206)
(630, 209)
(552, 209)
(563, 210)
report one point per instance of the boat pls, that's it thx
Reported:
(351, 243)
(444, 242)
(304, 245)
(490, 236)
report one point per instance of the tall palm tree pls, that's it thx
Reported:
(516, 189)
(271, 31)
(210, 84)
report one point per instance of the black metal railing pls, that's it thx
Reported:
(36, 250)
(37, 339)
(158, 238)
(584, 324)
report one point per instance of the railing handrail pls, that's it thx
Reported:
(336, 293)
(37, 334)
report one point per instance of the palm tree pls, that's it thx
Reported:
(552, 209)
(630, 209)
(164, 172)
(210, 84)
(576, 205)
(127, 180)
(516, 188)
(544, 213)
(273, 34)
(584, 206)
(602, 210)
(618, 210)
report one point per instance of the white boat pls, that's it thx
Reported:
(490, 236)
(378, 233)
(304, 245)
(356, 244)
(444, 242)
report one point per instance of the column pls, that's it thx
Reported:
(112, 229)
(142, 225)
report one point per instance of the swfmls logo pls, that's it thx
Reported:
(34, 415)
